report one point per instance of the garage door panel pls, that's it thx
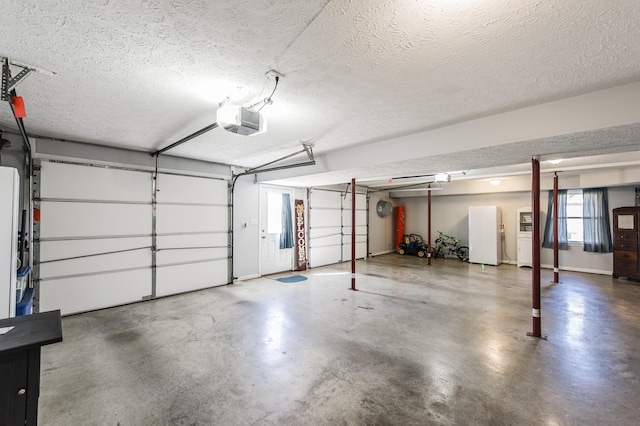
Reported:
(316, 233)
(81, 294)
(60, 249)
(218, 239)
(77, 182)
(329, 240)
(324, 217)
(96, 264)
(361, 202)
(361, 218)
(361, 231)
(189, 189)
(346, 239)
(325, 199)
(361, 251)
(182, 218)
(75, 219)
(320, 256)
(165, 257)
(196, 276)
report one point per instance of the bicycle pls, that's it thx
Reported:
(447, 246)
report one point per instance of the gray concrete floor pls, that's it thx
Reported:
(420, 345)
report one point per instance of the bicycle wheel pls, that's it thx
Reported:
(463, 253)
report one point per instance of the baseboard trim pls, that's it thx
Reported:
(380, 253)
(585, 270)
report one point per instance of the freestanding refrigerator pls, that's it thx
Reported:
(9, 199)
(485, 236)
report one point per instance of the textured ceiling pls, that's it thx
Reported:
(142, 74)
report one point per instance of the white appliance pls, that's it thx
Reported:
(485, 235)
(525, 225)
(9, 199)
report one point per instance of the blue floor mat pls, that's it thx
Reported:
(292, 279)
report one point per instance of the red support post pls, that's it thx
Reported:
(556, 266)
(353, 234)
(429, 227)
(535, 249)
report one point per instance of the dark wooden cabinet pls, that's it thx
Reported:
(20, 364)
(625, 242)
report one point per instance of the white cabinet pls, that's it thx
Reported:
(485, 224)
(9, 184)
(525, 224)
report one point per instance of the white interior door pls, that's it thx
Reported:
(273, 258)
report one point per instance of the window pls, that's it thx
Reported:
(274, 213)
(574, 216)
(583, 218)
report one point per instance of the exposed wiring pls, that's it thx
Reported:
(504, 247)
(268, 100)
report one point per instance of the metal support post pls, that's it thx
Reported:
(556, 270)
(429, 250)
(535, 249)
(353, 234)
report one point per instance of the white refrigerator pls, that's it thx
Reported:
(9, 199)
(485, 235)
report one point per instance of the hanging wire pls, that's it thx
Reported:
(269, 101)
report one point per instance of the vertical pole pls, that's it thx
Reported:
(429, 226)
(353, 234)
(535, 249)
(556, 266)
(154, 236)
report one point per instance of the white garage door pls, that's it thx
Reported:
(94, 237)
(361, 226)
(96, 232)
(330, 227)
(192, 233)
(325, 227)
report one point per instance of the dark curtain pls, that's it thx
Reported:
(286, 237)
(595, 220)
(563, 240)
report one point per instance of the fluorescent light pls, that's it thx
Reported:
(557, 161)
(437, 188)
(442, 177)
(495, 182)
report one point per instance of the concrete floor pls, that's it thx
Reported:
(442, 345)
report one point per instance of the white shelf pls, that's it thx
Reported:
(525, 226)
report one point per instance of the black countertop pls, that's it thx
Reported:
(30, 331)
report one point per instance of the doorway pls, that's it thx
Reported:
(276, 230)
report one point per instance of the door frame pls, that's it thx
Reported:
(263, 211)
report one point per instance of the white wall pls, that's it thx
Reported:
(576, 258)
(450, 215)
(381, 229)
(246, 232)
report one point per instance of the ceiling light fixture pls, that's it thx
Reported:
(495, 182)
(246, 121)
(557, 161)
